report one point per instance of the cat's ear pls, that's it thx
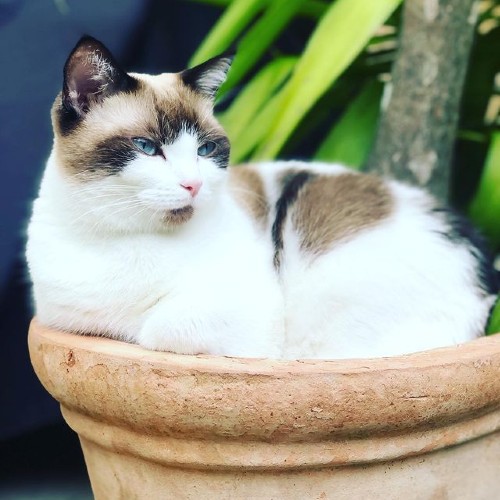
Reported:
(91, 74)
(209, 76)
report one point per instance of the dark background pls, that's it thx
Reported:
(37, 450)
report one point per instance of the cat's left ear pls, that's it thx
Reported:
(207, 78)
(90, 75)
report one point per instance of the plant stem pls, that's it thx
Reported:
(419, 118)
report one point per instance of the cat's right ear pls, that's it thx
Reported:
(209, 76)
(91, 74)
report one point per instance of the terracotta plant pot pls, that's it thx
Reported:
(158, 425)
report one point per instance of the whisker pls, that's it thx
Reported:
(101, 221)
(121, 204)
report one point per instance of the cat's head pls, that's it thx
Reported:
(139, 151)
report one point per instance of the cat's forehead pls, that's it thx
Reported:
(159, 83)
(161, 106)
(170, 100)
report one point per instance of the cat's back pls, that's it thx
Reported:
(316, 208)
(368, 267)
(322, 204)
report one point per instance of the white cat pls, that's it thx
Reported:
(141, 233)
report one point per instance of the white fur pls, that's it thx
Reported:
(103, 262)
(397, 288)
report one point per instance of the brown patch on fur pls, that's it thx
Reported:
(248, 188)
(331, 209)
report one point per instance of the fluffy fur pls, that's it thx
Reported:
(167, 248)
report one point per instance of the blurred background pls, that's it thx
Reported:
(342, 48)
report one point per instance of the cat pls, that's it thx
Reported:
(142, 233)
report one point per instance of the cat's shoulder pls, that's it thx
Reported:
(325, 203)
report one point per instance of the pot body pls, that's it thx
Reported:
(160, 425)
(469, 471)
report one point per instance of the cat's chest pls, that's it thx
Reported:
(126, 267)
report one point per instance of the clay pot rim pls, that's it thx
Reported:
(487, 345)
(105, 384)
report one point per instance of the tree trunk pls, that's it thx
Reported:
(420, 107)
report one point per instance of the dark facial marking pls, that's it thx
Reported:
(174, 120)
(112, 155)
(220, 155)
(292, 184)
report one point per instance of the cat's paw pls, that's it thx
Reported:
(217, 330)
(179, 336)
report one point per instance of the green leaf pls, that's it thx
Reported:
(312, 8)
(349, 141)
(218, 3)
(226, 30)
(259, 37)
(255, 94)
(340, 36)
(485, 207)
(257, 130)
(494, 324)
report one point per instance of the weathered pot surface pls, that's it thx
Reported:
(163, 424)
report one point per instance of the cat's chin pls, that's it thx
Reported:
(178, 216)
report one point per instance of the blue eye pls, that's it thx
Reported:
(207, 148)
(147, 146)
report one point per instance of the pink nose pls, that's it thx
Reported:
(193, 186)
